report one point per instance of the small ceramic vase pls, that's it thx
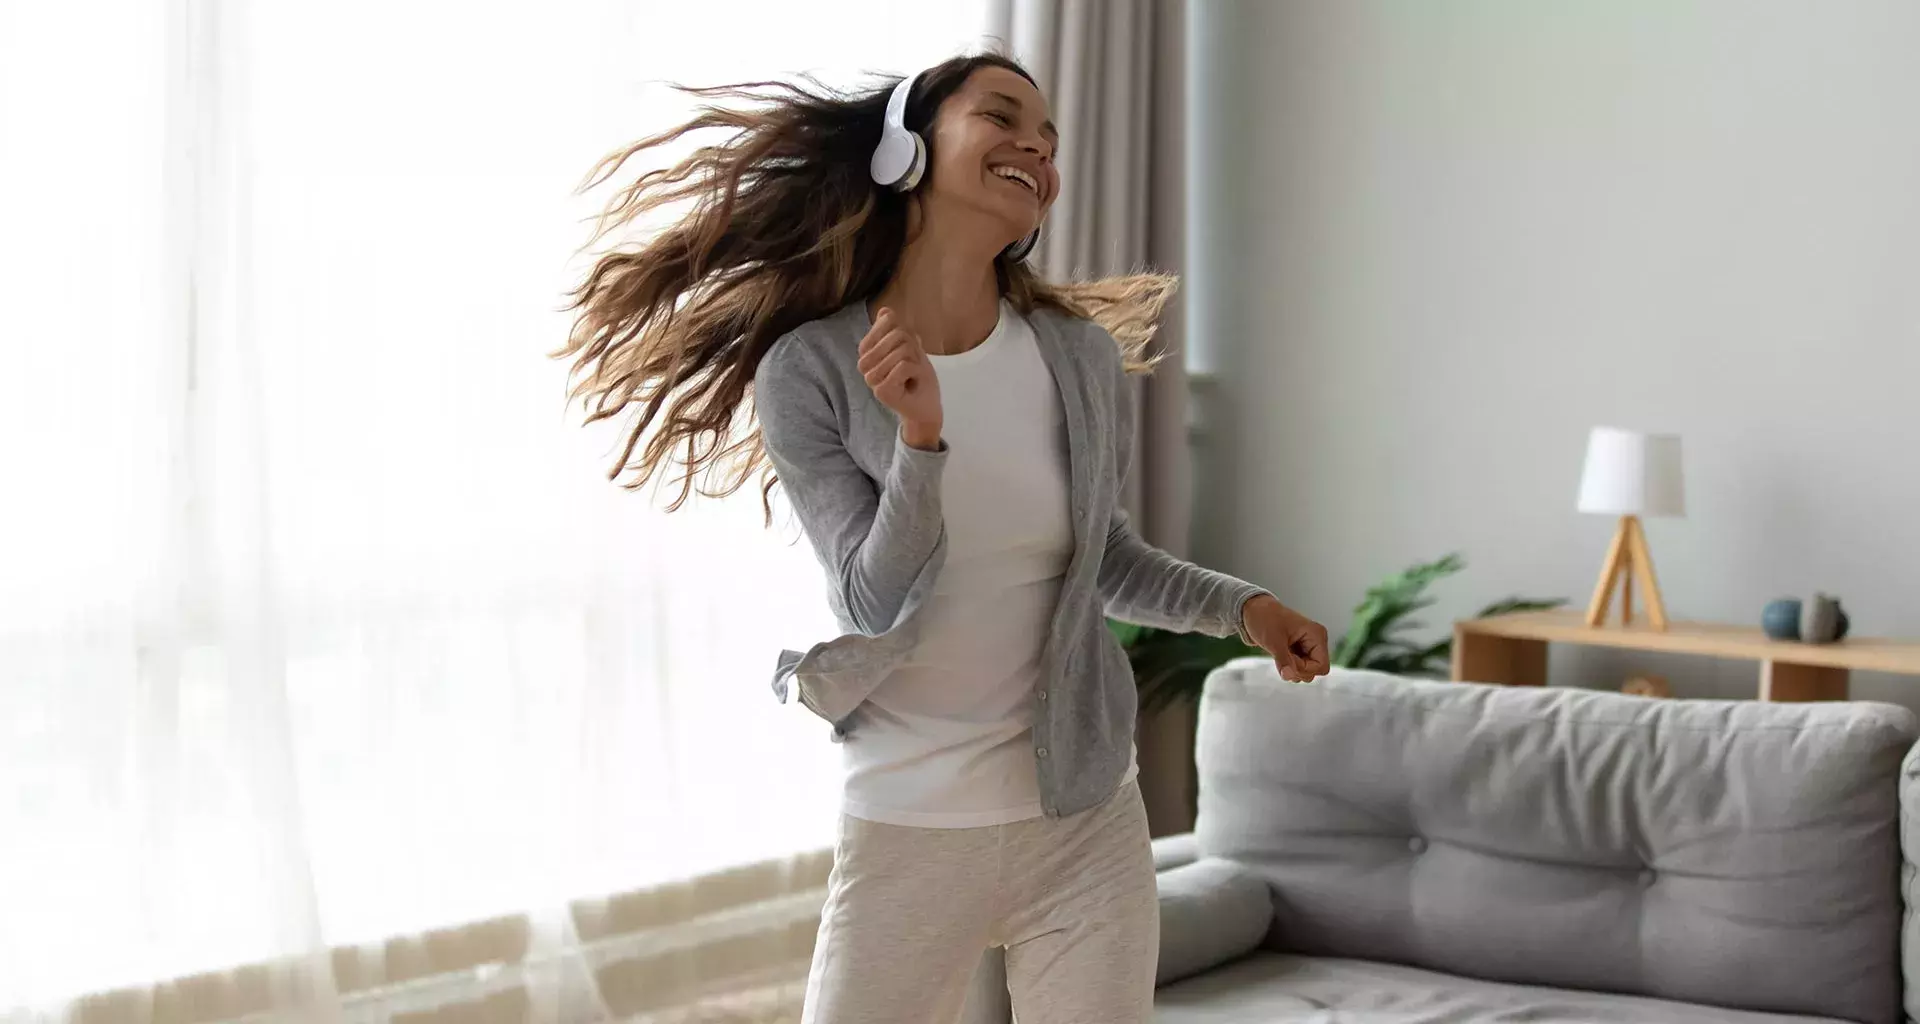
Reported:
(1781, 619)
(1822, 621)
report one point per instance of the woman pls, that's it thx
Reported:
(952, 433)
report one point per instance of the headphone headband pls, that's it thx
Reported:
(897, 103)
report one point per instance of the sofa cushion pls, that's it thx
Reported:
(1731, 853)
(1211, 911)
(1175, 851)
(1274, 988)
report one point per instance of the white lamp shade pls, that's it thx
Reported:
(1629, 473)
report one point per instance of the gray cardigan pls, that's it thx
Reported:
(870, 506)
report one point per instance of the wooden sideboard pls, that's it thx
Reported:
(1512, 649)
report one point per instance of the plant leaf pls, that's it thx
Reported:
(1126, 632)
(1521, 604)
(1386, 606)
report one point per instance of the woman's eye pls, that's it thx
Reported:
(1000, 119)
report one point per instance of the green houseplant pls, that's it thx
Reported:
(1170, 667)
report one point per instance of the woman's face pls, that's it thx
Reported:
(993, 146)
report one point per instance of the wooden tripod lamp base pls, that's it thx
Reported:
(1627, 558)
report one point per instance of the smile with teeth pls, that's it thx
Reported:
(1017, 176)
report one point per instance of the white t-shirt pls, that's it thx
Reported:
(946, 740)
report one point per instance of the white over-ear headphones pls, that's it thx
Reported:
(900, 159)
(1023, 248)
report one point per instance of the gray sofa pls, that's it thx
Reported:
(1378, 849)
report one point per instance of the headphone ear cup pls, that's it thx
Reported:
(917, 168)
(895, 158)
(1023, 248)
(899, 162)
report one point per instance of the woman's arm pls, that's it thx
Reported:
(1142, 584)
(872, 538)
(1152, 588)
(1138, 582)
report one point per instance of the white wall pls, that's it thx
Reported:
(1435, 242)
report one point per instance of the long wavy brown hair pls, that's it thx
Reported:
(784, 226)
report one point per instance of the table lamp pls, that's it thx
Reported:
(1630, 474)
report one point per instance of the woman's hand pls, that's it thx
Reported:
(897, 370)
(1298, 644)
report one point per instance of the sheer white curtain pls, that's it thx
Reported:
(319, 621)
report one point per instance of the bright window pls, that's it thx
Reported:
(319, 621)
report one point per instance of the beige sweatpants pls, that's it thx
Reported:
(910, 911)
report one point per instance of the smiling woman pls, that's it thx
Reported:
(951, 430)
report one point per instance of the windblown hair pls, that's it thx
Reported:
(785, 226)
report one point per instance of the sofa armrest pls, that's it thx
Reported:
(1175, 851)
(1211, 911)
(1910, 882)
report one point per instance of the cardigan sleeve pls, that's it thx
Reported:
(1143, 584)
(873, 538)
